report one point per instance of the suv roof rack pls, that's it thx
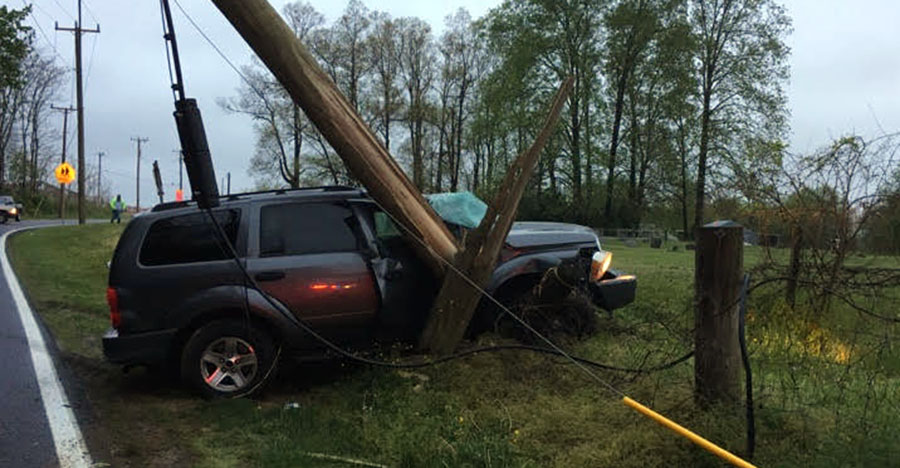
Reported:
(237, 196)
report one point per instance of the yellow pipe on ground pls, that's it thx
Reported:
(707, 445)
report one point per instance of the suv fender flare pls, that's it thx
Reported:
(228, 301)
(525, 265)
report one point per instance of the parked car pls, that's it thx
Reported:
(9, 209)
(330, 255)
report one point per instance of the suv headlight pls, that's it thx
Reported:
(599, 264)
(13, 211)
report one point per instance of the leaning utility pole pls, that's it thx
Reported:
(62, 187)
(313, 90)
(137, 196)
(78, 30)
(100, 176)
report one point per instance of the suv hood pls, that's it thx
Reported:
(525, 234)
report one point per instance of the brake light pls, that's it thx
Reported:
(112, 298)
(599, 264)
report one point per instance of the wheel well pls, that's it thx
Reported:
(219, 314)
(516, 286)
(508, 291)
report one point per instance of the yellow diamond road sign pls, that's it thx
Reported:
(65, 173)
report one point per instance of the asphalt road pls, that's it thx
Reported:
(26, 439)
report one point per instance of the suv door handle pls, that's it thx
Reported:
(269, 276)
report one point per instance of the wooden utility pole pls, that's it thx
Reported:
(100, 176)
(62, 187)
(456, 302)
(180, 171)
(717, 355)
(327, 108)
(79, 97)
(228, 185)
(137, 185)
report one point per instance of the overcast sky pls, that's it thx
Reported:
(844, 76)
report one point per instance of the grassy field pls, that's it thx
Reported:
(827, 387)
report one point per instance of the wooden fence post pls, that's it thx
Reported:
(719, 263)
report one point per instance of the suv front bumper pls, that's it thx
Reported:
(138, 348)
(617, 290)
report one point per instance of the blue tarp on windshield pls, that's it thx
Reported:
(462, 208)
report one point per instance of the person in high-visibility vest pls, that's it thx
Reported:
(118, 206)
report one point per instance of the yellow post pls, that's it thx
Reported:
(707, 445)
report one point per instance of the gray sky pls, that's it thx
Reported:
(844, 76)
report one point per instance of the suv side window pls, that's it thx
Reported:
(306, 228)
(384, 226)
(189, 238)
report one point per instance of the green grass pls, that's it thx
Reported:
(816, 406)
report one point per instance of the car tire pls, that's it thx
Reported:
(18, 219)
(5, 218)
(228, 359)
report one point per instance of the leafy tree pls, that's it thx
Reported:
(15, 44)
(742, 68)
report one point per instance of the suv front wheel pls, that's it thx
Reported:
(228, 359)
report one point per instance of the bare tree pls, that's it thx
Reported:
(416, 57)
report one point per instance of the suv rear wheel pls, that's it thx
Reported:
(228, 359)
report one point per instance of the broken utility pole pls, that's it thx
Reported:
(367, 159)
(456, 302)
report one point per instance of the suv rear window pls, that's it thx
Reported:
(189, 238)
(305, 228)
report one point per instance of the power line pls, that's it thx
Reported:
(87, 76)
(64, 10)
(221, 54)
(37, 24)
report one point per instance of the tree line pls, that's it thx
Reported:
(671, 99)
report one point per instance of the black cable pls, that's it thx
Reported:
(410, 365)
(751, 421)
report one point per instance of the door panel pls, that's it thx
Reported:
(310, 259)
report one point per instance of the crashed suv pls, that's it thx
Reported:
(329, 255)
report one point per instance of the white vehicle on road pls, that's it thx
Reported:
(9, 209)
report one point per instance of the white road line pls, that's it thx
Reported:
(70, 447)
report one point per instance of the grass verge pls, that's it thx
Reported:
(499, 410)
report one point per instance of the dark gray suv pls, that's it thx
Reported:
(329, 255)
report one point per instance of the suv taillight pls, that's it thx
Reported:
(112, 298)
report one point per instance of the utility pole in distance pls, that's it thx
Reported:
(79, 97)
(137, 201)
(100, 176)
(180, 165)
(62, 188)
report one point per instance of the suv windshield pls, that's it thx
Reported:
(6, 200)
